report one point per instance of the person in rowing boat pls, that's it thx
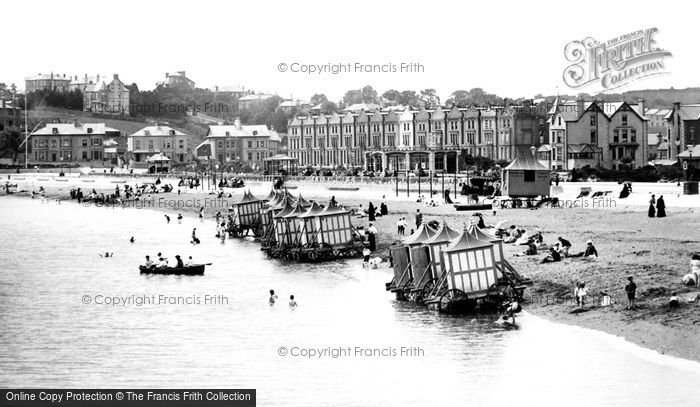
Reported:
(148, 263)
(179, 261)
(189, 262)
(162, 263)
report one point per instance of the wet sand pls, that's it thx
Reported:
(656, 251)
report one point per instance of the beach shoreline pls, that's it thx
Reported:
(655, 251)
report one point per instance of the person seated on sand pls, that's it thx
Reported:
(531, 249)
(565, 246)
(673, 301)
(515, 234)
(524, 237)
(179, 261)
(690, 279)
(552, 257)
(360, 212)
(590, 250)
(695, 267)
(375, 262)
(148, 262)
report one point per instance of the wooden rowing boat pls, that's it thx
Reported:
(196, 269)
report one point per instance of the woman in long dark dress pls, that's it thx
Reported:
(652, 210)
(371, 211)
(661, 207)
(625, 191)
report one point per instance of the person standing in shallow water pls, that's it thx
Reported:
(273, 297)
(652, 210)
(660, 207)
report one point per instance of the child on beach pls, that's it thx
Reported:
(366, 253)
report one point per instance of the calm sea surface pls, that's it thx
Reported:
(49, 337)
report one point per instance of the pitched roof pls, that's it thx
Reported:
(689, 112)
(525, 161)
(73, 129)
(420, 236)
(257, 130)
(444, 234)
(158, 130)
(466, 241)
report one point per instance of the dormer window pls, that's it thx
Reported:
(228, 133)
(255, 132)
(172, 132)
(54, 130)
(89, 130)
(147, 132)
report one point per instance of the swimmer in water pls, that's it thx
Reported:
(273, 297)
(107, 254)
(167, 218)
(292, 302)
(132, 240)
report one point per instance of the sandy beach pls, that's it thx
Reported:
(656, 251)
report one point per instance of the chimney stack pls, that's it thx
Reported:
(237, 123)
(640, 103)
(676, 105)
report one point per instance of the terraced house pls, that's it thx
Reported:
(69, 143)
(401, 139)
(596, 134)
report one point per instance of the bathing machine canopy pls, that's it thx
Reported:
(439, 242)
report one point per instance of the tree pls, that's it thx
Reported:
(369, 95)
(392, 96)
(318, 99)
(409, 98)
(430, 97)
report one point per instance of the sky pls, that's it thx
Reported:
(510, 48)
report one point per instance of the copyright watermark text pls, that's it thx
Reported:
(339, 68)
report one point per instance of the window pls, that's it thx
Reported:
(250, 156)
(594, 137)
(529, 176)
(593, 119)
(559, 121)
(220, 144)
(616, 136)
(150, 144)
(85, 155)
(54, 130)
(89, 130)
(181, 143)
(624, 135)
(624, 120)
(633, 135)
(85, 142)
(421, 126)
(137, 144)
(250, 144)
(172, 132)
(228, 133)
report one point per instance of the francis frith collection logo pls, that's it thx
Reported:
(615, 63)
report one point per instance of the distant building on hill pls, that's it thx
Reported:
(253, 100)
(107, 98)
(50, 81)
(177, 79)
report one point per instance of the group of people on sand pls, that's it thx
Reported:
(163, 262)
(657, 207)
(273, 300)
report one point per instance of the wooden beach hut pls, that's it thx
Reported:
(471, 268)
(525, 177)
(280, 224)
(309, 224)
(437, 243)
(500, 260)
(335, 228)
(407, 256)
(246, 214)
(293, 225)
